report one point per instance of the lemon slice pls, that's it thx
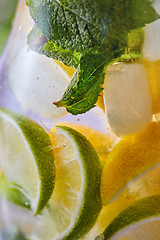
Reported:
(129, 159)
(27, 158)
(153, 71)
(139, 221)
(69, 70)
(75, 203)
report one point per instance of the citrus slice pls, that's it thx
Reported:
(129, 159)
(139, 221)
(27, 158)
(11, 194)
(147, 185)
(75, 203)
(100, 102)
(153, 71)
(69, 70)
(101, 142)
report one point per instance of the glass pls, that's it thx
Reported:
(31, 82)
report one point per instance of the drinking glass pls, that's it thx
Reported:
(27, 81)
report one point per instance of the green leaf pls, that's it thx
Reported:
(39, 43)
(138, 13)
(87, 26)
(82, 93)
(73, 25)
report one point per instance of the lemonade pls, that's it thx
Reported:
(79, 120)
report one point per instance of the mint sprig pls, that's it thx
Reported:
(85, 86)
(88, 35)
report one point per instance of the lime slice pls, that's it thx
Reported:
(11, 194)
(130, 159)
(101, 142)
(27, 157)
(147, 185)
(138, 221)
(75, 203)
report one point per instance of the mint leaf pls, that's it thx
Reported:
(68, 57)
(89, 26)
(39, 43)
(82, 93)
(77, 31)
(73, 25)
(138, 13)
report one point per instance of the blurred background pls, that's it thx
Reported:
(7, 9)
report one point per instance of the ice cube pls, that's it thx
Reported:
(127, 98)
(37, 82)
(151, 47)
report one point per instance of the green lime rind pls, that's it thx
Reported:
(8, 192)
(92, 167)
(41, 147)
(141, 210)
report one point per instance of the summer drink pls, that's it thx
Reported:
(79, 121)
